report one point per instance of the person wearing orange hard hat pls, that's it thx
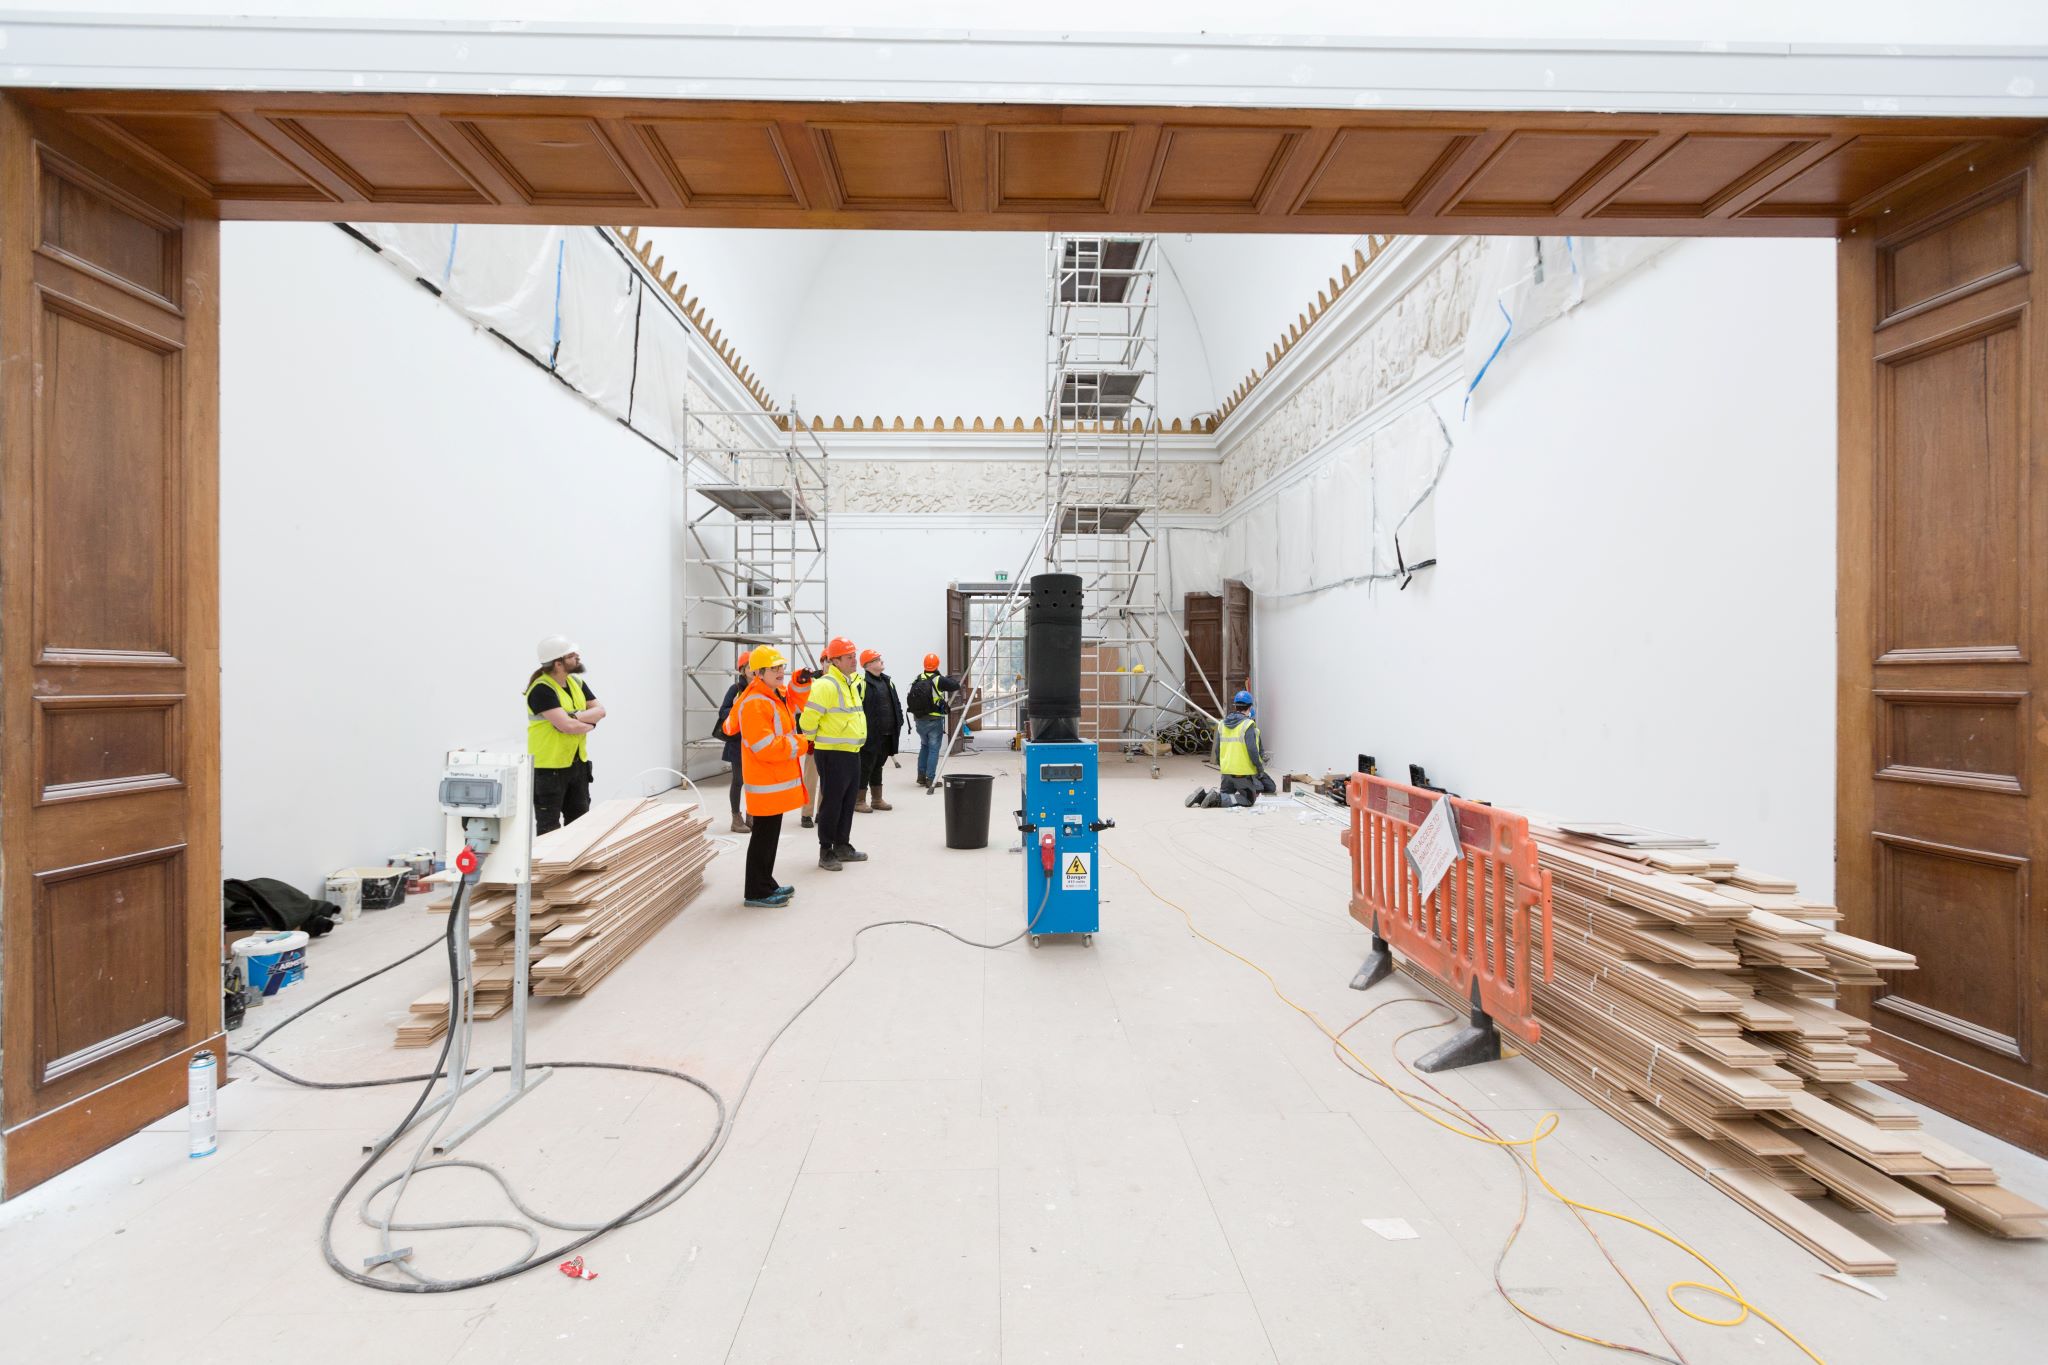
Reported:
(835, 720)
(928, 707)
(885, 731)
(732, 741)
(771, 754)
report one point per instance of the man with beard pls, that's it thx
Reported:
(561, 711)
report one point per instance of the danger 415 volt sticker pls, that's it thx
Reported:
(1077, 873)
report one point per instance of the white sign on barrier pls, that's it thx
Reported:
(1434, 846)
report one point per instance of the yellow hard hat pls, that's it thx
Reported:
(765, 656)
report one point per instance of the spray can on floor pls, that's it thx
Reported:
(200, 1118)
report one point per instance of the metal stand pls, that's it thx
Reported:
(519, 1080)
(1478, 1041)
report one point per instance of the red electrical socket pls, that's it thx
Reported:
(466, 861)
(1045, 852)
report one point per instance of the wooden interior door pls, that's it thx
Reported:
(957, 659)
(1942, 821)
(110, 935)
(1202, 661)
(1237, 638)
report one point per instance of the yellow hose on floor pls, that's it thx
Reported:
(1545, 1126)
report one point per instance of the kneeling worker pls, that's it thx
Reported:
(1241, 754)
(771, 755)
(561, 710)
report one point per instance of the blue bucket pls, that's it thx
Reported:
(272, 961)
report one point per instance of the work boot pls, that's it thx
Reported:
(876, 802)
(808, 821)
(740, 825)
(847, 853)
(1195, 797)
(860, 804)
(829, 860)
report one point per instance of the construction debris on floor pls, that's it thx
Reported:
(1695, 1000)
(602, 886)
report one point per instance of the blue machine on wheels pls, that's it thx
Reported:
(1060, 817)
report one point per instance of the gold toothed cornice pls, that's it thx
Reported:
(1296, 330)
(693, 309)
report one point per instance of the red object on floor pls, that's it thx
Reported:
(574, 1269)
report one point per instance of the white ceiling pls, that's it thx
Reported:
(888, 324)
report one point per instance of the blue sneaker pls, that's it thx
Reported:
(767, 902)
(782, 893)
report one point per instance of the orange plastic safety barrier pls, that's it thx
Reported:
(1473, 931)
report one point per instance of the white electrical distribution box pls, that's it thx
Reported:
(496, 791)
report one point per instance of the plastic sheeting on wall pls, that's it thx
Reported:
(568, 298)
(1362, 513)
(1526, 283)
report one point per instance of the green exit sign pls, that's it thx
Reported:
(1002, 575)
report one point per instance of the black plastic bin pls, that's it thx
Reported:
(967, 802)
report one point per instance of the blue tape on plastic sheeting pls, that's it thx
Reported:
(1571, 254)
(1491, 356)
(555, 346)
(448, 270)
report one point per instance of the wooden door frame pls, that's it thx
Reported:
(1998, 294)
(94, 1121)
(72, 844)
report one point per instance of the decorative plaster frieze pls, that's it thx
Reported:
(1425, 325)
(992, 487)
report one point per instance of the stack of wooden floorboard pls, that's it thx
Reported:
(602, 886)
(1694, 1000)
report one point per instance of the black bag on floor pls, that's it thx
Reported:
(266, 903)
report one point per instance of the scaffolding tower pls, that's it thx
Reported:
(1103, 483)
(756, 495)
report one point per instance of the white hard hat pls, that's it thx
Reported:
(557, 647)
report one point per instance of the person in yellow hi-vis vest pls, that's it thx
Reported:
(561, 711)
(835, 720)
(1241, 754)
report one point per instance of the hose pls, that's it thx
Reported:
(1725, 1290)
(679, 1185)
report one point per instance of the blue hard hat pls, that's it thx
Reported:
(1241, 699)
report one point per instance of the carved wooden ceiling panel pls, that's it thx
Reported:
(1026, 167)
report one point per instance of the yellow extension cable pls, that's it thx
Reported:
(1547, 1125)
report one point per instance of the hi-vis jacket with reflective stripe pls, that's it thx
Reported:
(835, 715)
(1238, 750)
(550, 747)
(771, 751)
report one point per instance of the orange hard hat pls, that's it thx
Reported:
(838, 647)
(744, 654)
(868, 656)
(931, 663)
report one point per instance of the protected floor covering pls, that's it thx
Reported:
(1128, 1152)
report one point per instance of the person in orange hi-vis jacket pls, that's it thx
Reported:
(771, 754)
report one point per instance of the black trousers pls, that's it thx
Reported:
(838, 782)
(872, 762)
(738, 781)
(761, 856)
(560, 795)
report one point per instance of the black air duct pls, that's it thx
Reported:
(1052, 657)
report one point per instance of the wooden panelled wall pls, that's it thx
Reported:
(538, 159)
(1942, 836)
(109, 661)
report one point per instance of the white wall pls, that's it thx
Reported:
(889, 579)
(407, 507)
(1633, 616)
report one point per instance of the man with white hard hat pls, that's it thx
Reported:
(561, 711)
